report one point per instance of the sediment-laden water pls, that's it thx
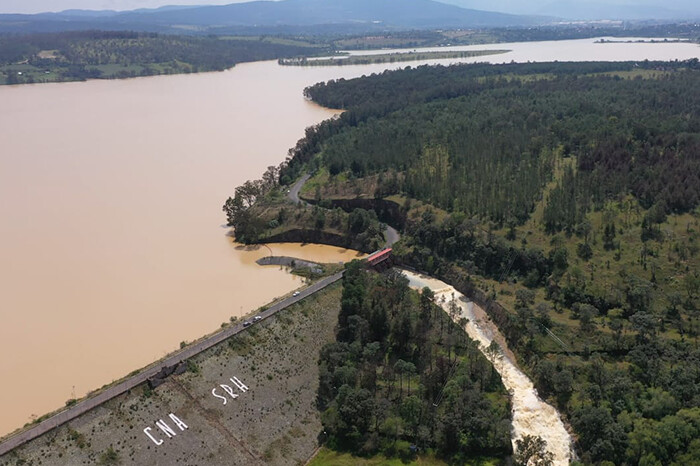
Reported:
(111, 245)
(531, 415)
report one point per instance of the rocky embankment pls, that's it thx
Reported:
(290, 262)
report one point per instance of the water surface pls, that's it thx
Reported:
(111, 245)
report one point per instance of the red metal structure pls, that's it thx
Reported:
(378, 257)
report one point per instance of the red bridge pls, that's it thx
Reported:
(379, 259)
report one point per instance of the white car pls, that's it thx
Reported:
(257, 318)
(295, 294)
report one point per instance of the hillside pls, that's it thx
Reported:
(76, 56)
(326, 16)
(564, 199)
(403, 13)
(590, 9)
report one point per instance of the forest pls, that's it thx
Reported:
(76, 56)
(634, 136)
(404, 379)
(561, 196)
(687, 30)
(362, 40)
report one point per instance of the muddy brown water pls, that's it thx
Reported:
(112, 250)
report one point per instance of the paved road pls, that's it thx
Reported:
(86, 405)
(293, 193)
(390, 234)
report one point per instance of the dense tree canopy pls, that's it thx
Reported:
(568, 191)
(106, 54)
(402, 374)
(478, 141)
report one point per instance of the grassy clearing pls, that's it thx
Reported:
(378, 41)
(636, 74)
(318, 181)
(471, 37)
(26, 73)
(274, 40)
(524, 78)
(326, 457)
(339, 186)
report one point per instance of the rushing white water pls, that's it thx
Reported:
(531, 415)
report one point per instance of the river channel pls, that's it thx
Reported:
(112, 249)
(531, 415)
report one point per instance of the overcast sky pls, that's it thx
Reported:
(37, 6)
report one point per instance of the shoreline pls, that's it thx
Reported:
(398, 51)
(167, 365)
(126, 78)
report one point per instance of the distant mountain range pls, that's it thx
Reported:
(400, 13)
(591, 9)
(329, 15)
(571, 9)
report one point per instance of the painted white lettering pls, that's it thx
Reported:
(178, 422)
(147, 431)
(239, 384)
(165, 428)
(229, 390)
(213, 392)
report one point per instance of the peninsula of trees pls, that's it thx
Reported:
(386, 58)
(77, 56)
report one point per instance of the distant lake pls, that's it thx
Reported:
(112, 249)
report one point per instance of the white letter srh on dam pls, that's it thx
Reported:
(227, 388)
(165, 428)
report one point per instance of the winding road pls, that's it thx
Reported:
(391, 235)
(293, 193)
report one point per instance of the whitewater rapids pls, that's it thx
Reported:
(531, 415)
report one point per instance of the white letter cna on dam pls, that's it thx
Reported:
(165, 428)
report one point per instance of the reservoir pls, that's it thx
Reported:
(112, 249)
